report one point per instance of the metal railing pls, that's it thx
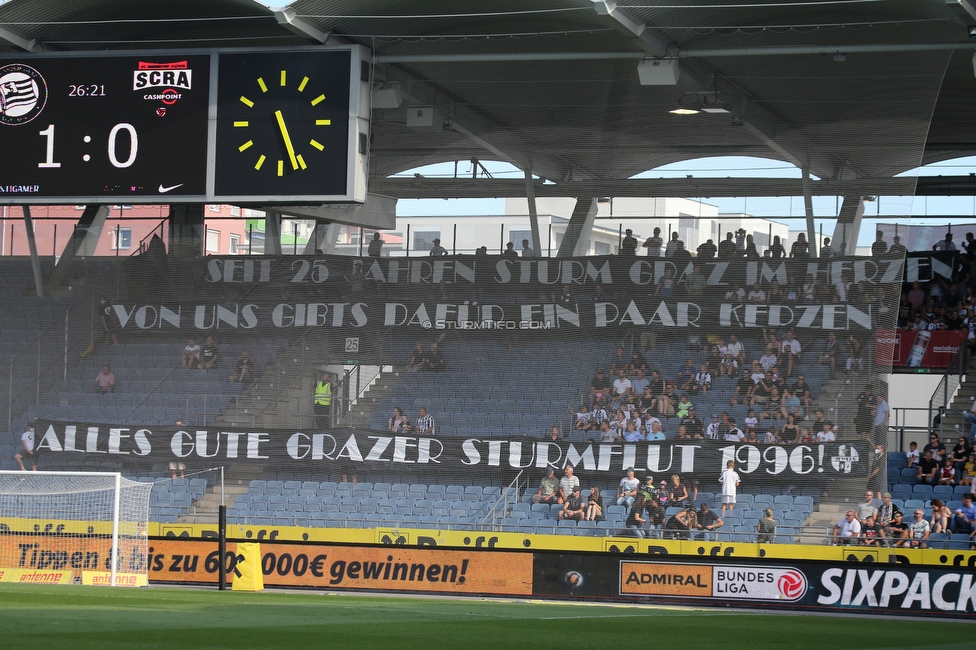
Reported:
(48, 366)
(270, 378)
(952, 378)
(144, 242)
(508, 498)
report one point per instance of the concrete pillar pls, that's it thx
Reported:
(576, 241)
(533, 215)
(32, 244)
(848, 226)
(324, 238)
(81, 243)
(272, 233)
(187, 232)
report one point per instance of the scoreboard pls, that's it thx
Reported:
(206, 126)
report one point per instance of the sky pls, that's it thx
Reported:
(789, 210)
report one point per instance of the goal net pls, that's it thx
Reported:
(55, 526)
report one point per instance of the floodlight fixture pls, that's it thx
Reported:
(658, 72)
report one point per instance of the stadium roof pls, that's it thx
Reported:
(852, 90)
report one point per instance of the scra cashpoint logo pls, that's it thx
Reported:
(172, 77)
(23, 94)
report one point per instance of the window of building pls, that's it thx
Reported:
(213, 241)
(516, 237)
(601, 248)
(423, 240)
(214, 207)
(235, 244)
(121, 239)
(235, 210)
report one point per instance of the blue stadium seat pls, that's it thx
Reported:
(922, 492)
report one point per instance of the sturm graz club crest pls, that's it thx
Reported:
(23, 94)
(844, 460)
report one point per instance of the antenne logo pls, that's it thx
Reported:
(792, 584)
(23, 94)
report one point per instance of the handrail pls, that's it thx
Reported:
(952, 378)
(342, 397)
(83, 338)
(512, 489)
(274, 369)
(143, 246)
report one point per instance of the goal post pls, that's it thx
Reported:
(62, 526)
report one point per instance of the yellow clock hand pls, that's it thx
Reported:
(284, 135)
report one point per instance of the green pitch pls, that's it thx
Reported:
(99, 617)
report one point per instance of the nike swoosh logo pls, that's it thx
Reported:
(163, 190)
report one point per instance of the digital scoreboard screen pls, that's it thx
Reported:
(277, 125)
(119, 127)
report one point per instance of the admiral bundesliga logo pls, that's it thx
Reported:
(170, 77)
(23, 94)
(784, 584)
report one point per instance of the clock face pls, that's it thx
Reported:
(282, 124)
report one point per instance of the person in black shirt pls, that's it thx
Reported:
(574, 508)
(707, 519)
(434, 362)
(680, 523)
(417, 358)
(707, 250)
(726, 248)
(800, 248)
(652, 502)
(872, 533)
(865, 404)
(635, 522)
(599, 386)
(880, 246)
(209, 355)
(629, 245)
(928, 469)
(744, 389)
(693, 424)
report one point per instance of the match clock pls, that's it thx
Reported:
(282, 124)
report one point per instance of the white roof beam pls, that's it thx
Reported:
(629, 24)
(18, 39)
(760, 120)
(288, 18)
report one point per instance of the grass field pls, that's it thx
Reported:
(70, 617)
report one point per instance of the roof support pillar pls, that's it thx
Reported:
(272, 233)
(187, 232)
(81, 243)
(533, 214)
(323, 239)
(32, 243)
(808, 209)
(848, 226)
(576, 240)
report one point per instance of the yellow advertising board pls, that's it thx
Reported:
(36, 576)
(393, 568)
(104, 578)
